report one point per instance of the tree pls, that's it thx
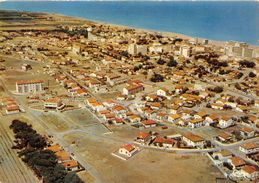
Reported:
(252, 75)
(157, 78)
(161, 61)
(172, 63)
(218, 89)
(248, 64)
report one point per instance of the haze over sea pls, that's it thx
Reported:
(212, 20)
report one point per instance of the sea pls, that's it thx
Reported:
(215, 20)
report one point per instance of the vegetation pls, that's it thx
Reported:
(217, 89)
(161, 61)
(157, 78)
(172, 63)
(43, 162)
(247, 64)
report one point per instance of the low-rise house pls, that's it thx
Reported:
(193, 140)
(174, 118)
(249, 148)
(149, 123)
(163, 92)
(109, 117)
(109, 103)
(90, 101)
(250, 172)
(62, 156)
(97, 106)
(200, 115)
(246, 132)
(133, 89)
(143, 137)
(224, 137)
(128, 150)
(118, 109)
(242, 108)
(150, 113)
(118, 121)
(161, 116)
(186, 114)
(155, 105)
(114, 79)
(174, 109)
(222, 155)
(163, 142)
(217, 106)
(54, 103)
(54, 148)
(151, 98)
(134, 118)
(211, 119)
(71, 165)
(195, 123)
(82, 92)
(225, 122)
(12, 109)
(237, 162)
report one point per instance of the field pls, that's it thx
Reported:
(12, 169)
(146, 166)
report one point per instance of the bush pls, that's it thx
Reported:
(247, 64)
(161, 62)
(157, 78)
(252, 75)
(172, 63)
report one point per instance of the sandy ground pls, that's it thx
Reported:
(146, 166)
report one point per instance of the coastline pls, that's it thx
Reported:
(164, 33)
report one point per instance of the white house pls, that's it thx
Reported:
(71, 165)
(211, 119)
(222, 155)
(249, 148)
(225, 122)
(143, 137)
(246, 132)
(164, 93)
(237, 162)
(54, 103)
(128, 150)
(134, 118)
(250, 172)
(174, 118)
(163, 142)
(196, 123)
(193, 140)
(149, 123)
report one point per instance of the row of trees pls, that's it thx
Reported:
(31, 146)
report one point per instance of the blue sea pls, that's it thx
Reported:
(212, 20)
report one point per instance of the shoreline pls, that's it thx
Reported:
(164, 33)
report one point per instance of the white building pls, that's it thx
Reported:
(54, 103)
(195, 123)
(249, 148)
(128, 150)
(250, 172)
(225, 122)
(185, 51)
(29, 86)
(193, 140)
(135, 49)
